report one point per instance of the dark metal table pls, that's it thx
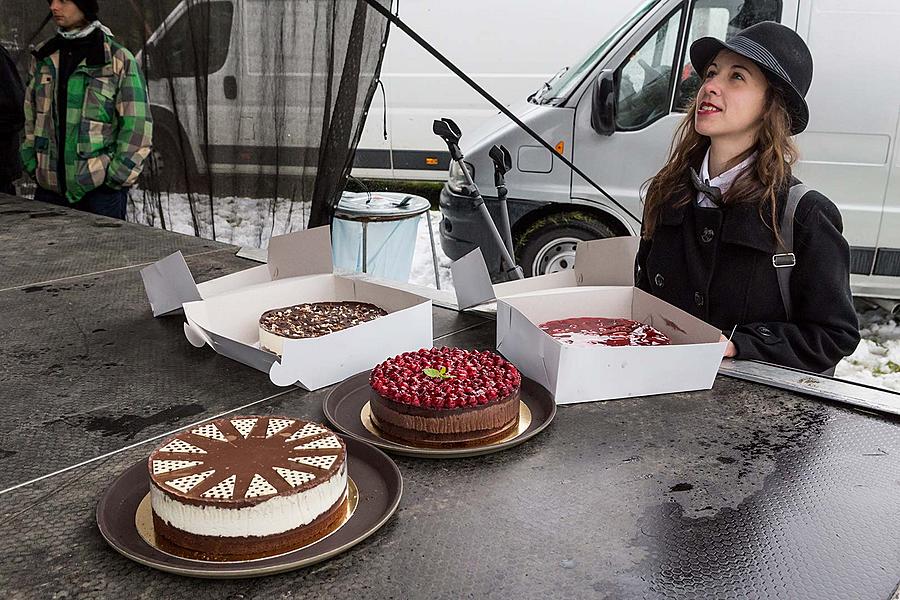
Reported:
(742, 491)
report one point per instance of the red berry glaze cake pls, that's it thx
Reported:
(445, 397)
(594, 331)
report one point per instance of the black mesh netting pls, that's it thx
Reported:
(257, 105)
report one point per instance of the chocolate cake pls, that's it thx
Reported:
(445, 397)
(246, 487)
(311, 320)
(593, 331)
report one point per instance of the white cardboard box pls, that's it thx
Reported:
(224, 313)
(601, 286)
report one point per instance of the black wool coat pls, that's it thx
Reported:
(716, 263)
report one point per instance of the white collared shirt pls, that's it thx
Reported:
(723, 181)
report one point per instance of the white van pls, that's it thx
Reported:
(847, 151)
(509, 50)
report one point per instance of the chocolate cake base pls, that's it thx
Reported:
(460, 427)
(214, 548)
(458, 440)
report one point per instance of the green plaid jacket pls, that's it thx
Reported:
(108, 123)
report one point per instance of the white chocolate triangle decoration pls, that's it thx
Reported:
(308, 430)
(259, 487)
(330, 443)
(224, 489)
(177, 445)
(294, 478)
(165, 466)
(276, 425)
(210, 431)
(186, 484)
(244, 426)
(322, 462)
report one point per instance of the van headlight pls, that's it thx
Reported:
(456, 180)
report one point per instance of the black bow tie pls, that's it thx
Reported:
(711, 191)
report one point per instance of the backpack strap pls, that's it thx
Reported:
(785, 260)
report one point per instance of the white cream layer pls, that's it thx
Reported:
(275, 515)
(271, 342)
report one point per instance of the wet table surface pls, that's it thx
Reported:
(735, 492)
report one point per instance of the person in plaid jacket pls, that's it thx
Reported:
(88, 128)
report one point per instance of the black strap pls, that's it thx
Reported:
(785, 260)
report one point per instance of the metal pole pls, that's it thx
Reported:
(505, 228)
(365, 257)
(437, 278)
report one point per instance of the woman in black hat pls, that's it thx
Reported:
(712, 234)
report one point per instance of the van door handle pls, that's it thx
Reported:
(230, 87)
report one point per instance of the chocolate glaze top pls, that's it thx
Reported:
(317, 318)
(241, 461)
(591, 331)
(469, 378)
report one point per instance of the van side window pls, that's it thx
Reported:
(644, 80)
(721, 19)
(196, 44)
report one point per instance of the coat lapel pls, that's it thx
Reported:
(743, 225)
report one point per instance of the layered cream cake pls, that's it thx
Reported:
(245, 487)
(592, 331)
(445, 396)
(311, 320)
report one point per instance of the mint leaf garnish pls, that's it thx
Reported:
(438, 374)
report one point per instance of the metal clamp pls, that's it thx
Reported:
(787, 259)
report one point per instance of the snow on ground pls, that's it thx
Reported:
(251, 222)
(876, 360)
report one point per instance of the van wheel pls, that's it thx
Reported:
(548, 245)
(167, 170)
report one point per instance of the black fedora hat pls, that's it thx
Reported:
(779, 52)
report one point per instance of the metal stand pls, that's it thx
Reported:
(449, 132)
(434, 261)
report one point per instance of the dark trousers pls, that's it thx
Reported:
(103, 201)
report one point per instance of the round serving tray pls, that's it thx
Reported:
(347, 408)
(378, 488)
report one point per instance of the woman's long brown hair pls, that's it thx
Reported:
(760, 184)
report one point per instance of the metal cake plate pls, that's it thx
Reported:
(346, 408)
(379, 487)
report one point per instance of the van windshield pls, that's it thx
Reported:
(558, 89)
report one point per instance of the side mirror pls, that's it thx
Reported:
(603, 104)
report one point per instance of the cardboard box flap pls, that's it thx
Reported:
(169, 284)
(306, 252)
(680, 326)
(471, 280)
(606, 262)
(234, 281)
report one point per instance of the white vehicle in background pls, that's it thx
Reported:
(510, 50)
(634, 88)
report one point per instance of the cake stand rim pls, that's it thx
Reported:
(111, 499)
(340, 394)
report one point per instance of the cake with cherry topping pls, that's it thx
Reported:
(311, 320)
(239, 488)
(443, 397)
(593, 331)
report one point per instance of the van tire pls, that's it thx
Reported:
(167, 171)
(548, 245)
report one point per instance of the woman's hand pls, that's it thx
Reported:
(730, 349)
